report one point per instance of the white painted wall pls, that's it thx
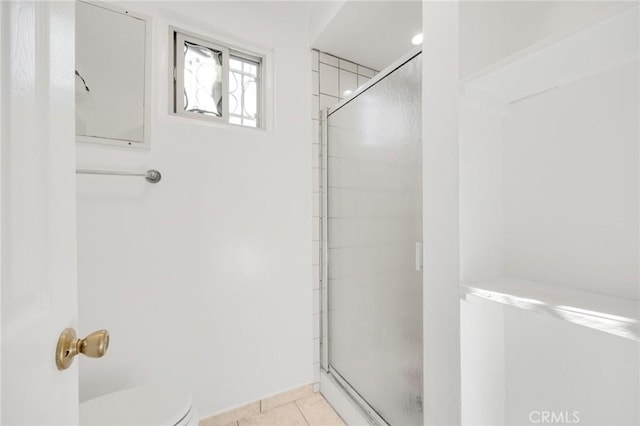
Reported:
(549, 164)
(491, 31)
(441, 303)
(549, 192)
(556, 366)
(321, 13)
(482, 357)
(517, 364)
(481, 218)
(203, 279)
(571, 185)
(372, 33)
(482, 360)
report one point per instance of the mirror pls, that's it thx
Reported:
(112, 75)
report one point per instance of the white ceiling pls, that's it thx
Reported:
(371, 33)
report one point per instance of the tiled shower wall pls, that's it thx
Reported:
(333, 79)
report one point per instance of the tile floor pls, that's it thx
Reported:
(299, 406)
(312, 410)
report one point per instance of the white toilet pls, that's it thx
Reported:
(141, 406)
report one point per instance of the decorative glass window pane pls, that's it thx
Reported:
(202, 80)
(243, 91)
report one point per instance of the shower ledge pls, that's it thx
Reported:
(609, 314)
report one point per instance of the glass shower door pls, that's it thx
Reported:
(374, 221)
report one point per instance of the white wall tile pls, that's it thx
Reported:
(328, 59)
(328, 80)
(315, 254)
(316, 223)
(315, 107)
(315, 154)
(328, 101)
(314, 60)
(316, 302)
(316, 210)
(367, 72)
(315, 179)
(316, 277)
(362, 80)
(349, 66)
(315, 84)
(316, 326)
(315, 128)
(348, 81)
(331, 83)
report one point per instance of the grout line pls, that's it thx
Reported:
(340, 80)
(354, 73)
(300, 411)
(329, 65)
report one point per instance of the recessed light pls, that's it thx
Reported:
(417, 39)
(347, 92)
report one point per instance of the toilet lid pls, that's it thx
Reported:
(146, 405)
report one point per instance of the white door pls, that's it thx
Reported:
(38, 209)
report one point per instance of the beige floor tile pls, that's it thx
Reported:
(286, 397)
(232, 416)
(317, 411)
(284, 415)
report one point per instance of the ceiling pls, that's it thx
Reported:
(371, 33)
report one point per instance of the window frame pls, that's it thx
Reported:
(177, 37)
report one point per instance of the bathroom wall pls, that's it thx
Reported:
(491, 31)
(549, 176)
(552, 365)
(571, 188)
(440, 213)
(203, 279)
(549, 192)
(332, 79)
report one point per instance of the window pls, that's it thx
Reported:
(214, 82)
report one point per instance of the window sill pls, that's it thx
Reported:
(212, 123)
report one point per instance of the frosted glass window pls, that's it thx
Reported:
(214, 83)
(202, 79)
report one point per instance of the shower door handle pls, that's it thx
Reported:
(419, 256)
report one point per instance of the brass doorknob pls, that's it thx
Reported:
(94, 345)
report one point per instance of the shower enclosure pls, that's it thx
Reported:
(372, 231)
